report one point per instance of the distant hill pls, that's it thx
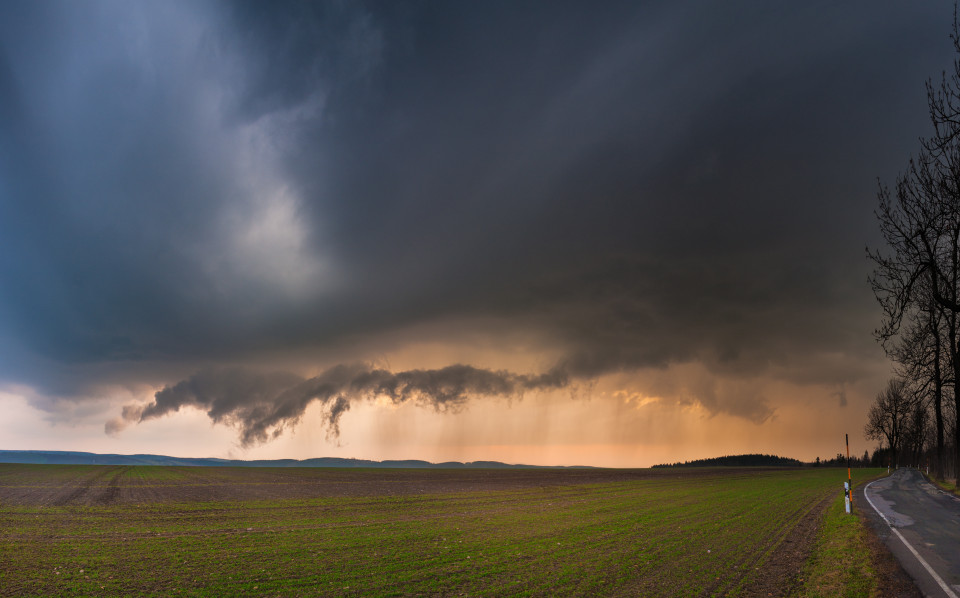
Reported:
(739, 461)
(80, 458)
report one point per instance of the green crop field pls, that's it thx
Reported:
(111, 531)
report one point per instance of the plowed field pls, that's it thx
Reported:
(111, 531)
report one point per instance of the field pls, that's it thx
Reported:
(111, 530)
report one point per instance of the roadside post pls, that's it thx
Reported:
(848, 485)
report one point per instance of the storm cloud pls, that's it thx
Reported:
(188, 190)
(263, 405)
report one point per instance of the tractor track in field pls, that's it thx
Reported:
(787, 554)
(782, 569)
(90, 490)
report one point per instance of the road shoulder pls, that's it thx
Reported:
(888, 553)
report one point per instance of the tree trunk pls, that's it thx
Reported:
(954, 341)
(956, 411)
(937, 389)
(956, 396)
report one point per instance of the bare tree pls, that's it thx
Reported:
(921, 357)
(919, 279)
(889, 416)
(918, 332)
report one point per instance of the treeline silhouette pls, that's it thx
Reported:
(739, 461)
(878, 460)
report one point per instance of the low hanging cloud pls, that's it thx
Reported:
(262, 405)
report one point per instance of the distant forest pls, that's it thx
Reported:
(739, 461)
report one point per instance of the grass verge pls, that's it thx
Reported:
(948, 485)
(840, 564)
(848, 560)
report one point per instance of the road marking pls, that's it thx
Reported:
(946, 589)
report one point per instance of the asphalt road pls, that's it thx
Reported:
(921, 526)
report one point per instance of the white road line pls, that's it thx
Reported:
(946, 589)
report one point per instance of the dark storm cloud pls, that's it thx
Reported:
(262, 405)
(187, 186)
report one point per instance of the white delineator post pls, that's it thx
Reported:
(846, 494)
(848, 485)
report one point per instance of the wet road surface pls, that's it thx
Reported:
(921, 526)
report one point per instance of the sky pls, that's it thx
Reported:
(535, 232)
